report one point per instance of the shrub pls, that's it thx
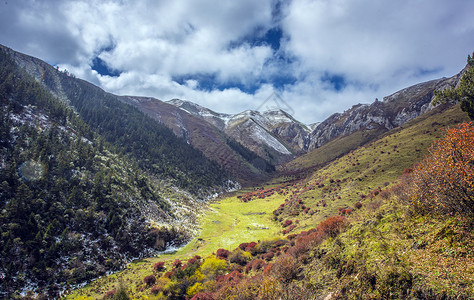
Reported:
(155, 290)
(444, 181)
(149, 280)
(250, 245)
(286, 268)
(238, 257)
(195, 259)
(332, 225)
(177, 263)
(268, 256)
(168, 274)
(289, 229)
(385, 194)
(222, 253)
(159, 266)
(110, 294)
(231, 278)
(243, 246)
(212, 266)
(358, 205)
(287, 223)
(255, 265)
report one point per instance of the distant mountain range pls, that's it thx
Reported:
(275, 135)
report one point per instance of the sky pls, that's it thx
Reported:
(319, 57)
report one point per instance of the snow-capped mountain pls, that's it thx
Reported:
(274, 134)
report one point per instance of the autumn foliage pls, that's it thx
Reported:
(444, 181)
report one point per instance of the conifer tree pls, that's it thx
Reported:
(464, 92)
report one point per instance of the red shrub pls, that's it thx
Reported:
(159, 266)
(243, 246)
(267, 269)
(149, 280)
(231, 278)
(332, 225)
(289, 229)
(177, 263)
(280, 243)
(222, 253)
(168, 274)
(287, 223)
(255, 265)
(268, 256)
(194, 259)
(358, 205)
(250, 246)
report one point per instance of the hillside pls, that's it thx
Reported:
(75, 200)
(91, 181)
(368, 242)
(246, 166)
(151, 144)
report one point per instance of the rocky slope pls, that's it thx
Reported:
(273, 135)
(393, 111)
(206, 136)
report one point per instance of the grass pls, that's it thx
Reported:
(393, 247)
(376, 165)
(227, 223)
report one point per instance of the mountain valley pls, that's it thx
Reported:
(95, 186)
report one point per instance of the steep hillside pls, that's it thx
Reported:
(244, 165)
(154, 146)
(72, 207)
(393, 111)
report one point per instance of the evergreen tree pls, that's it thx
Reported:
(464, 92)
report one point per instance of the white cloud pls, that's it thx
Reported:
(375, 47)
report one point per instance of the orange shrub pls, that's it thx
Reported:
(332, 225)
(444, 181)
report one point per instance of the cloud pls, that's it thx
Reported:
(321, 56)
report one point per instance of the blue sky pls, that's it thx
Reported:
(320, 56)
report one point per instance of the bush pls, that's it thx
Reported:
(159, 266)
(243, 246)
(238, 257)
(212, 266)
(444, 181)
(177, 263)
(255, 265)
(268, 256)
(195, 259)
(332, 225)
(286, 268)
(222, 253)
(155, 290)
(149, 280)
